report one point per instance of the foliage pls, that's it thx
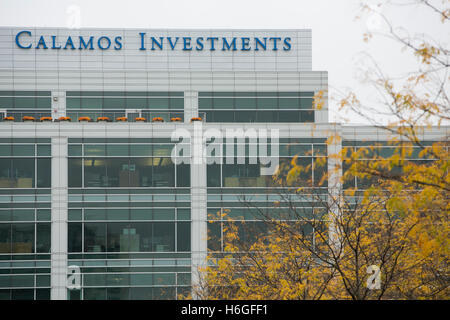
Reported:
(399, 220)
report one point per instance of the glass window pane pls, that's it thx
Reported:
(22, 294)
(5, 215)
(213, 175)
(176, 103)
(24, 172)
(23, 215)
(183, 175)
(6, 103)
(139, 150)
(121, 173)
(137, 293)
(5, 150)
(95, 173)
(306, 103)
(91, 103)
(73, 103)
(245, 116)
(222, 116)
(121, 238)
(44, 172)
(163, 172)
(144, 166)
(23, 238)
(205, 103)
(74, 150)
(25, 103)
(223, 103)
(158, 103)
(183, 236)
(94, 150)
(307, 116)
(44, 150)
(23, 150)
(94, 294)
(43, 103)
(43, 215)
(267, 116)
(141, 236)
(163, 214)
(289, 116)
(74, 237)
(94, 237)
(5, 237)
(141, 214)
(75, 214)
(43, 237)
(267, 103)
(183, 214)
(118, 293)
(163, 236)
(245, 103)
(289, 103)
(117, 150)
(75, 172)
(136, 103)
(95, 214)
(43, 294)
(118, 214)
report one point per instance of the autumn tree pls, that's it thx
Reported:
(398, 223)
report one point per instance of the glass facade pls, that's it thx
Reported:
(243, 194)
(257, 106)
(114, 104)
(25, 103)
(25, 218)
(129, 224)
(381, 149)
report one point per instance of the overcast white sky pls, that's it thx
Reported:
(337, 35)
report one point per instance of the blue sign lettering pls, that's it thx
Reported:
(25, 40)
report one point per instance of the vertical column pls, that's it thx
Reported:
(190, 105)
(59, 219)
(58, 104)
(334, 181)
(198, 204)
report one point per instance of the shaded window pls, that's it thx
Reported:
(5, 238)
(23, 238)
(43, 237)
(122, 238)
(95, 173)
(44, 172)
(163, 236)
(183, 175)
(213, 175)
(183, 236)
(74, 237)
(75, 172)
(94, 237)
(121, 173)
